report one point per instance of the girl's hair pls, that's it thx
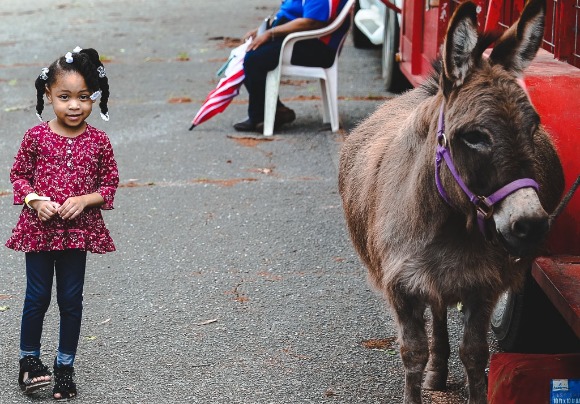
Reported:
(86, 62)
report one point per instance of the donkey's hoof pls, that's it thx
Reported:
(435, 380)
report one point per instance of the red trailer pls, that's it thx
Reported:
(522, 321)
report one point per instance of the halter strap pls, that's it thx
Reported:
(483, 205)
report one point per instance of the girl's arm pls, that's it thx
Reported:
(108, 180)
(108, 176)
(22, 172)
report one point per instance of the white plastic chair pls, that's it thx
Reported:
(328, 77)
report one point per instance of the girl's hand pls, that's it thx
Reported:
(72, 207)
(45, 209)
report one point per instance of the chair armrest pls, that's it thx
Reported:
(291, 39)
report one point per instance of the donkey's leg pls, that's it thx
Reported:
(414, 349)
(474, 350)
(436, 375)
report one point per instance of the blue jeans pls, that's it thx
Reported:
(69, 267)
(258, 62)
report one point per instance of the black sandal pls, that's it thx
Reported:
(34, 368)
(64, 383)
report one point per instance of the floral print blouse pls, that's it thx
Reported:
(60, 167)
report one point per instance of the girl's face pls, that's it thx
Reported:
(71, 102)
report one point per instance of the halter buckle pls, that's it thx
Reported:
(442, 139)
(484, 208)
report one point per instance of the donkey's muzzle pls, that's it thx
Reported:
(531, 230)
(521, 223)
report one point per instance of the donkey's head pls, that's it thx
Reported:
(492, 129)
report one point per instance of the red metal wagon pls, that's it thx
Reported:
(547, 311)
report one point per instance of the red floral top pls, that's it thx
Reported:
(60, 167)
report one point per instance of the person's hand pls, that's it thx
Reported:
(250, 34)
(259, 41)
(72, 207)
(45, 209)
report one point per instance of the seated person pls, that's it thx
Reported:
(263, 53)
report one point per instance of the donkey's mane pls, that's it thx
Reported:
(431, 84)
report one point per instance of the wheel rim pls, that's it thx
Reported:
(499, 309)
(501, 315)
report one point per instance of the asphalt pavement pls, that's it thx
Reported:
(234, 280)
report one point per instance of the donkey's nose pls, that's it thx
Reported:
(531, 230)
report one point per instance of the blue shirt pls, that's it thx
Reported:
(319, 10)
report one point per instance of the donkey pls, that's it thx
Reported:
(446, 190)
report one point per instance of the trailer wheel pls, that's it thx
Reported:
(528, 322)
(506, 320)
(360, 40)
(393, 78)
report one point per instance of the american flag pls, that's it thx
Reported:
(227, 88)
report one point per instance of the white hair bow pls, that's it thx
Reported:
(68, 57)
(95, 95)
(44, 74)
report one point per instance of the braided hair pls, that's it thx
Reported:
(86, 62)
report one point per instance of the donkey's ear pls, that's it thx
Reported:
(459, 44)
(518, 46)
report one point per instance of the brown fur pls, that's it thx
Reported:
(420, 251)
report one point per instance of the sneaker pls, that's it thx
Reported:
(284, 115)
(246, 126)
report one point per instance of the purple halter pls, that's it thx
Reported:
(483, 205)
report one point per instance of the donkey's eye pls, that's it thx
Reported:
(476, 140)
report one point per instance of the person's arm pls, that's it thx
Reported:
(108, 176)
(280, 31)
(22, 172)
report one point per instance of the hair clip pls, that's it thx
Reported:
(68, 57)
(101, 70)
(77, 49)
(95, 95)
(39, 117)
(44, 74)
(105, 117)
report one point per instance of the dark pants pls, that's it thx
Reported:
(259, 62)
(69, 266)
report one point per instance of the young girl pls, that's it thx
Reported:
(64, 173)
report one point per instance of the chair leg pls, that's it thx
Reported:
(332, 89)
(271, 100)
(325, 104)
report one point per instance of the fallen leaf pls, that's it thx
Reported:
(179, 100)
(224, 183)
(91, 338)
(16, 108)
(250, 141)
(206, 322)
(4, 308)
(379, 344)
(330, 393)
